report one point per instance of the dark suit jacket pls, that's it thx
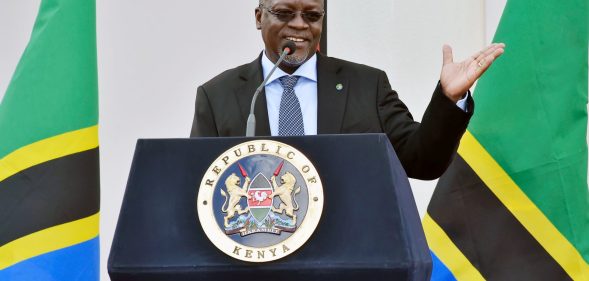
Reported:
(366, 104)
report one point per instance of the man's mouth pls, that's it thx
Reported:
(295, 39)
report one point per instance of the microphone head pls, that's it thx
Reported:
(290, 46)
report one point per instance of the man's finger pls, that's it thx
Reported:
(481, 54)
(447, 54)
(490, 56)
(486, 62)
(493, 50)
(483, 64)
(484, 52)
(497, 52)
(490, 50)
(477, 54)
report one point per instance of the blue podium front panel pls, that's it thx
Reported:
(369, 228)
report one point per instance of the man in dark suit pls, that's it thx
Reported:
(335, 96)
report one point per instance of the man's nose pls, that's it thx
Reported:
(298, 22)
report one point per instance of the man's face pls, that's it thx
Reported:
(275, 33)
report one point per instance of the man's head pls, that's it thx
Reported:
(272, 18)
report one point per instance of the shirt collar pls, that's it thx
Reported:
(307, 69)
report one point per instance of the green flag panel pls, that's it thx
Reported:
(54, 88)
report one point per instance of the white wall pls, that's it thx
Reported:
(153, 54)
(16, 23)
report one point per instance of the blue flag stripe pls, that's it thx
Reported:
(440, 272)
(76, 263)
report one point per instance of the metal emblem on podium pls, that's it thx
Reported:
(260, 201)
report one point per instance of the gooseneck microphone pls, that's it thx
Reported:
(287, 49)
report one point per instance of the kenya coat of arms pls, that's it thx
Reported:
(254, 198)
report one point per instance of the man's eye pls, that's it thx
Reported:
(312, 16)
(284, 12)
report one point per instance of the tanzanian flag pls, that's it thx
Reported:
(514, 204)
(49, 184)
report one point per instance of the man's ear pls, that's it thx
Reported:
(258, 15)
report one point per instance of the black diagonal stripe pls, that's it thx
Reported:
(49, 194)
(485, 230)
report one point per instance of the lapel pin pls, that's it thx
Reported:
(339, 87)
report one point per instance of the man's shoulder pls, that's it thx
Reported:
(230, 76)
(349, 66)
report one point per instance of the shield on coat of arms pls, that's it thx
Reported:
(260, 201)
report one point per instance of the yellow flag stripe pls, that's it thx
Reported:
(526, 212)
(49, 240)
(448, 253)
(48, 149)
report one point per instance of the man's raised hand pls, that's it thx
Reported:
(457, 77)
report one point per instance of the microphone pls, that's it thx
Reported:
(288, 49)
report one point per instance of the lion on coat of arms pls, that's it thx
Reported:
(231, 205)
(285, 193)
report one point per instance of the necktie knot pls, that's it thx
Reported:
(288, 82)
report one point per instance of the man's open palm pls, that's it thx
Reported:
(457, 77)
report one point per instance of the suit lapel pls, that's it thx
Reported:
(252, 78)
(332, 95)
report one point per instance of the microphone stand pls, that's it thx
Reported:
(250, 130)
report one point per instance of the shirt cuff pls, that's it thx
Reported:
(463, 103)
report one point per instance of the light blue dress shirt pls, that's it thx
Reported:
(305, 90)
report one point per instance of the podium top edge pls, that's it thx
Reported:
(274, 137)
